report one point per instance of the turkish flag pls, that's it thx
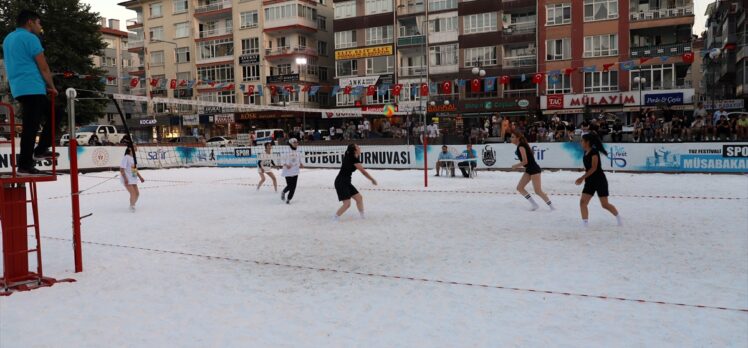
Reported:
(289, 89)
(505, 80)
(568, 71)
(273, 90)
(475, 86)
(182, 83)
(537, 78)
(606, 67)
(134, 82)
(347, 90)
(228, 87)
(305, 88)
(396, 90)
(687, 57)
(644, 60)
(251, 89)
(154, 82)
(173, 84)
(424, 89)
(371, 90)
(447, 87)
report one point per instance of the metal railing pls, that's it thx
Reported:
(213, 7)
(411, 40)
(290, 50)
(405, 9)
(661, 50)
(520, 93)
(216, 32)
(662, 13)
(521, 28)
(521, 61)
(412, 70)
(135, 44)
(133, 22)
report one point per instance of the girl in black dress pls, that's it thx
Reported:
(532, 171)
(343, 186)
(594, 178)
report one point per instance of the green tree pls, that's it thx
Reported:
(71, 37)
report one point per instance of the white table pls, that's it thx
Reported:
(456, 161)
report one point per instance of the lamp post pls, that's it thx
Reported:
(640, 81)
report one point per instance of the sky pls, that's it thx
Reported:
(110, 9)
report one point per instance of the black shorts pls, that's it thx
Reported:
(344, 189)
(532, 170)
(599, 185)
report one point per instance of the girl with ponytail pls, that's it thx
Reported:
(594, 178)
(532, 171)
(343, 186)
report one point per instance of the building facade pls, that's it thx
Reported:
(725, 59)
(116, 61)
(260, 52)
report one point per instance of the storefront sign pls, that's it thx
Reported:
(248, 59)
(630, 98)
(363, 81)
(378, 108)
(496, 105)
(729, 104)
(667, 99)
(212, 109)
(343, 113)
(442, 108)
(364, 52)
(223, 118)
(267, 115)
(283, 78)
(148, 122)
(190, 120)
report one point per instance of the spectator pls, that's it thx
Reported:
(676, 129)
(339, 133)
(317, 136)
(638, 130)
(617, 133)
(718, 116)
(723, 128)
(585, 127)
(697, 128)
(468, 154)
(495, 125)
(505, 133)
(367, 128)
(445, 155)
(667, 125)
(699, 111)
(649, 129)
(742, 127)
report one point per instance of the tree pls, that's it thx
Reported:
(71, 37)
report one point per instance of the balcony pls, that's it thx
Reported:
(215, 32)
(411, 41)
(290, 23)
(281, 52)
(228, 59)
(520, 62)
(519, 32)
(140, 91)
(137, 70)
(215, 9)
(662, 50)
(654, 14)
(134, 23)
(135, 45)
(444, 69)
(508, 5)
(409, 9)
(412, 71)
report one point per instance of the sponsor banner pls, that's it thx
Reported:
(364, 52)
(729, 104)
(442, 108)
(382, 157)
(248, 59)
(342, 113)
(665, 98)
(191, 120)
(630, 98)
(363, 81)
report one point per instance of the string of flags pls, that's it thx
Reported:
(475, 85)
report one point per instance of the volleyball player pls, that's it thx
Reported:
(594, 178)
(343, 186)
(532, 171)
(292, 163)
(130, 175)
(265, 165)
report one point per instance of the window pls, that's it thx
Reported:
(443, 55)
(251, 45)
(558, 49)
(108, 61)
(442, 25)
(343, 99)
(378, 6)
(157, 58)
(322, 48)
(322, 73)
(479, 23)
(345, 9)
(251, 72)
(601, 81)
(215, 48)
(322, 23)
(345, 39)
(109, 43)
(346, 68)
(283, 97)
(157, 33)
(290, 10)
(438, 5)
(601, 46)
(597, 10)
(156, 10)
(219, 97)
(380, 99)
(180, 6)
(480, 56)
(657, 77)
(302, 41)
(181, 30)
(218, 73)
(281, 69)
(252, 99)
(183, 54)
(249, 19)
(380, 65)
(561, 85)
(558, 14)
(379, 35)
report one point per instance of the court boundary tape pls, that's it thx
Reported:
(416, 279)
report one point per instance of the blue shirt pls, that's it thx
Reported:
(443, 155)
(469, 154)
(19, 50)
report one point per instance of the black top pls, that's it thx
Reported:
(348, 167)
(530, 158)
(587, 159)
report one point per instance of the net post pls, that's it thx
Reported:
(74, 191)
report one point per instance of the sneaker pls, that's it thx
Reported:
(283, 196)
(29, 171)
(288, 201)
(363, 217)
(45, 155)
(335, 218)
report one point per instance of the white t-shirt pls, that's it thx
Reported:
(128, 164)
(293, 158)
(265, 161)
(367, 126)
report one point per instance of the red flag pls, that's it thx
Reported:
(606, 67)
(173, 84)
(228, 86)
(347, 90)
(447, 87)
(396, 90)
(475, 86)
(273, 90)
(305, 88)
(371, 90)
(68, 74)
(424, 89)
(212, 83)
(568, 71)
(182, 83)
(111, 78)
(537, 78)
(505, 80)
(250, 89)
(154, 82)
(134, 82)
(644, 60)
(687, 57)
(289, 88)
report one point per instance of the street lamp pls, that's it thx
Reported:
(640, 81)
(301, 61)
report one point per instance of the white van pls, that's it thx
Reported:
(263, 136)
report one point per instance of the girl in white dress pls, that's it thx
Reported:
(130, 176)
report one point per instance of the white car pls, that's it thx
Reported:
(220, 141)
(65, 140)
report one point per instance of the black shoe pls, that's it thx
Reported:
(283, 196)
(288, 201)
(29, 171)
(45, 155)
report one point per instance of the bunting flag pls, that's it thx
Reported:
(250, 89)
(259, 90)
(103, 79)
(371, 90)
(569, 71)
(489, 84)
(111, 78)
(347, 90)
(664, 59)
(424, 89)
(460, 83)
(273, 90)
(383, 89)
(505, 80)
(335, 90)
(554, 79)
(475, 86)
(433, 88)
(688, 57)
(313, 91)
(182, 83)
(154, 82)
(305, 88)
(537, 78)
(290, 88)
(134, 82)
(241, 87)
(591, 68)
(396, 90)
(229, 86)
(68, 74)
(554, 72)
(218, 85)
(190, 83)
(446, 87)
(628, 65)
(173, 84)
(523, 78)
(413, 91)
(606, 67)
(644, 60)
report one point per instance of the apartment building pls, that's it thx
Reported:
(260, 52)
(725, 62)
(615, 56)
(116, 61)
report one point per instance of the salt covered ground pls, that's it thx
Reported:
(207, 261)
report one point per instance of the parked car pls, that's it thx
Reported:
(220, 141)
(65, 140)
(98, 135)
(324, 133)
(187, 140)
(269, 135)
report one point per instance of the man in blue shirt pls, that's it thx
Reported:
(468, 154)
(445, 155)
(30, 81)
